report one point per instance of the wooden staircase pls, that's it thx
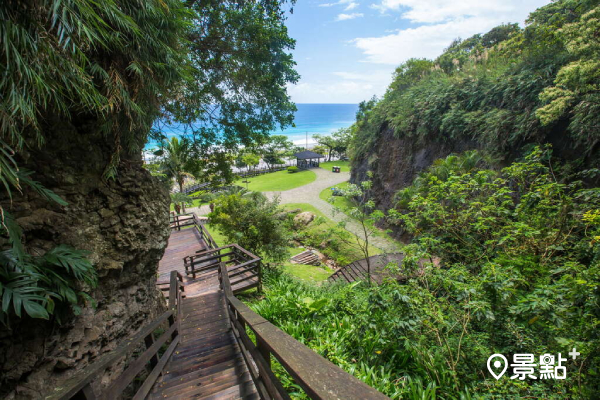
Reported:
(205, 351)
(357, 270)
(207, 363)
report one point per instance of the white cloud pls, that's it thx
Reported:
(338, 3)
(445, 21)
(351, 6)
(345, 17)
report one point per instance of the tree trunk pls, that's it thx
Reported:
(123, 223)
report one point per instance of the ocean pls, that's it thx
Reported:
(321, 119)
(309, 119)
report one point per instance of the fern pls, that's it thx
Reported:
(37, 285)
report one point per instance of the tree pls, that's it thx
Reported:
(319, 149)
(326, 141)
(248, 220)
(251, 160)
(341, 139)
(241, 63)
(274, 148)
(178, 161)
(180, 200)
(363, 213)
(335, 144)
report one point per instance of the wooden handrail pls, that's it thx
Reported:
(241, 258)
(80, 384)
(205, 233)
(178, 221)
(320, 378)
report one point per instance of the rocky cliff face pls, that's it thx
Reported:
(122, 223)
(395, 162)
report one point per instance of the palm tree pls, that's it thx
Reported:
(178, 161)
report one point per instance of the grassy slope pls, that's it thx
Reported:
(344, 165)
(339, 201)
(309, 273)
(347, 251)
(216, 235)
(342, 203)
(278, 181)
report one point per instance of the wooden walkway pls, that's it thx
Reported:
(209, 344)
(208, 363)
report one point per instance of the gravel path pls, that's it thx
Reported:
(310, 194)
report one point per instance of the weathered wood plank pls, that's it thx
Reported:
(156, 371)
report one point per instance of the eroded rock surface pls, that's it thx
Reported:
(123, 223)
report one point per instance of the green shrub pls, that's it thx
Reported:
(292, 169)
(247, 218)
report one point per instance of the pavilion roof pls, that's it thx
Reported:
(307, 154)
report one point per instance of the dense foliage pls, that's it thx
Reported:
(112, 68)
(502, 89)
(246, 218)
(502, 262)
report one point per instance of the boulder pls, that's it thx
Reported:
(303, 218)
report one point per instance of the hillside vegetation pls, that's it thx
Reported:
(502, 89)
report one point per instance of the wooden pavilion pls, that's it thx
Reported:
(308, 159)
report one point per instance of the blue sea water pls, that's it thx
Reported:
(309, 119)
(321, 119)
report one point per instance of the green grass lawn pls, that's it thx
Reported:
(339, 201)
(344, 165)
(216, 235)
(308, 273)
(278, 181)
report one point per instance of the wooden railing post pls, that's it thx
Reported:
(261, 346)
(173, 302)
(260, 276)
(149, 340)
(86, 393)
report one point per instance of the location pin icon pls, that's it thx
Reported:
(497, 365)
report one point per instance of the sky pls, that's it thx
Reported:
(347, 50)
